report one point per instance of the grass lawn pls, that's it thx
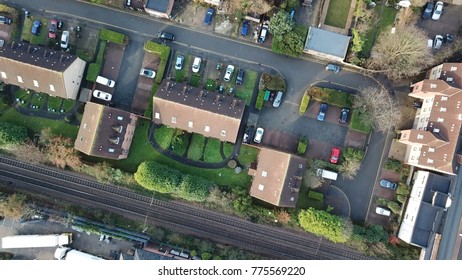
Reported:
(164, 135)
(36, 124)
(337, 13)
(26, 34)
(211, 85)
(212, 151)
(331, 96)
(386, 20)
(245, 91)
(305, 202)
(141, 150)
(195, 80)
(196, 147)
(38, 99)
(228, 149)
(68, 104)
(247, 155)
(22, 94)
(54, 103)
(356, 122)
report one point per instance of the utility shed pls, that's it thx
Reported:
(326, 44)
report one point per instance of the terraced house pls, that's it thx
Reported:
(432, 141)
(199, 111)
(40, 69)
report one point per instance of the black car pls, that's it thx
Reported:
(240, 76)
(5, 20)
(344, 115)
(248, 134)
(427, 13)
(166, 36)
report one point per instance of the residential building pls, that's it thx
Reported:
(40, 69)
(422, 220)
(159, 8)
(326, 44)
(432, 141)
(105, 132)
(197, 110)
(277, 177)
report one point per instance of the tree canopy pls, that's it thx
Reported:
(324, 224)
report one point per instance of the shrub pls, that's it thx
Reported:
(112, 36)
(260, 99)
(401, 198)
(302, 145)
(273, 82)
(316, 195)
(353, 153)
(403, 189)
(393, 165)
(394, 207)
(304, 105)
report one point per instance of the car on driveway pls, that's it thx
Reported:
(427, 13)
(166, 36)
(278, 99)
(438, 42)
(65, 39)
(179, 62)
(102, 95)
(332, 67)
(382, 211)
(229, 73)
(248, 134)
(36, 27)
(148, 73)
(5, 20)
(240, 76)
(438, 10)
(263, 33)
(258, 135)
(53, 28)
(344, 115)
(334, 155)
(196, 64)
(322, 112)
(245, 28)
(209, 16)
(387, 184)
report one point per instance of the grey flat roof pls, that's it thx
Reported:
(158, 5)
(327, 42)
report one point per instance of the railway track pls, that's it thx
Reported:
(271, 241)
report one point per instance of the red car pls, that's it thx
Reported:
(53, 28)
(334, 155)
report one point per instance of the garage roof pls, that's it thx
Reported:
(327, 42)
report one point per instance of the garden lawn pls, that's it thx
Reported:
(196, 147)
(211, 85)
(212, 151)
(335, 97)
(305, 202)
(23, 95)
(245, 91)
(54, 103)
(68, 104)
(387, 18)
(27, 35)
(195, 80)
(228, 149)
(356, 122)
(181, 147)
(164, 135)
(247, 155)
(36, 124)
(38, 99)
(337, 13)
(141, 150)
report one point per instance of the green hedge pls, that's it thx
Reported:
(304, 104)
(164, 53)
(331, 96)
(148, 112)
(394, 207)
(316, 195)
(260, 99)
(93, 71)
(112, 36)
(393, 165)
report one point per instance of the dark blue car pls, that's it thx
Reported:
(428, 10)
(245, 28)
(36, 27)
(209, 15)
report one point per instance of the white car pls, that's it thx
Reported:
(196, 65)
(229, 73)
(382, 211)
(105, 81)
(438, 42)
(438, 10)
(102, 95)
(258, 135)
(148, 73)
(65, 39)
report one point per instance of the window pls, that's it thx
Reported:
(36, 83)
(120, 118)
(173, 119)
(3, 74)
(207, 128)
(432, 150)
(419, 136)
(52, 87)
(157, 116)
(432, 85)
(440, 119)
(261, 187)
(449, 79)
(20, 79)
(453, 68)
(443, 109)
(190, 124)
(223, 133)
(444, 98)
(85, 126)
(436, 130)
(111, 150)
(264, 173)
(292, 198)
(429, 160)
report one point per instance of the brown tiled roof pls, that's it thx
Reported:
(278, 177)
(196, 110)
(448, 72)
(43, 70)
(105, 131)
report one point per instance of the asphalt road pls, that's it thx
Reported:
(298, 73)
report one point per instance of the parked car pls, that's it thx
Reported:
(438, 10)
(65, 39)
(438, 42)
(258, 135)
(60, 24)
(245, 28)
(240, 76)
(179, 62)
(264, 31)
(449, 38)
(209, 16)
(148, 73)
(105, 81)
(196, 64)
(344, 115)
(36, 27)
(334, 155)
(427, 13)
(387, 184)
(229, 73)
(382, 211)
(102, 95)
(248, 134)
(322, 112)
(277, 100)
(332, 67)
(5, 20)
(52, 29)
(166, 36)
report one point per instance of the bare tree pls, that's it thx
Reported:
(13, 206)
(377, 107)
(61, 153)
(311, 179)
(403, 53)
(350, 167)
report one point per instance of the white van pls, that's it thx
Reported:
(326, 174)
(277, 100)
(105, 81)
